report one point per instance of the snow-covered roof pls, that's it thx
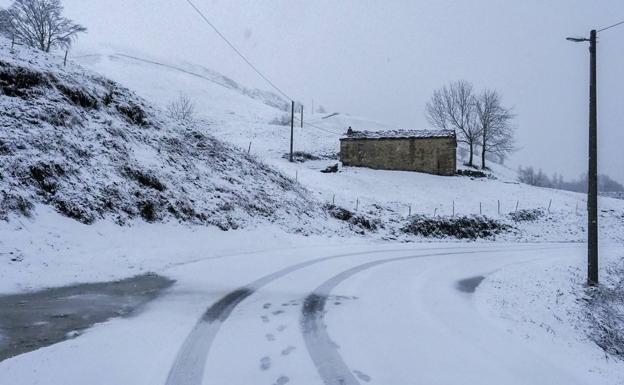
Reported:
(398, 134)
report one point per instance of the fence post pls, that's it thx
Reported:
(249, 148)
(453, 208)
(296, 175)
(357, 203)
(292, 128)
(480, 210)
(517, 203)
(334, 200)
(435, 212)
(65, 60)
(498, 201)
(410, 211)
(549, 203)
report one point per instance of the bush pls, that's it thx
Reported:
(182, 109)
(354, 219)
(472, 173)
(464, 227)
(282, 120)
(526, 215)
(300, 156)
(604, 310)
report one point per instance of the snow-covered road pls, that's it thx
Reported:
(385, 314)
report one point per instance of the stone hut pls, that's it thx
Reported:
(430, 151)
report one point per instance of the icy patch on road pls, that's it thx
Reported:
(34, 320)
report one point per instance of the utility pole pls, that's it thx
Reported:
(302, 116)
(592, 197)
(592, 172)
(292, 128)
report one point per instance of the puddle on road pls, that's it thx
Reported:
(469, 285)
(34, 320)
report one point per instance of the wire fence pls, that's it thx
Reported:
(489, 208)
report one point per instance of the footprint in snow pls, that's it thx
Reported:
(288, 350)
(282, 380)
(265, 363)
(270, 337)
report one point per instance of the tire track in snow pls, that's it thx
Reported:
(323, 351)
(188, 366)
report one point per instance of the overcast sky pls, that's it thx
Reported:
(384, 58)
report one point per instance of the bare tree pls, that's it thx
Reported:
(453, 108)
(40, 24)
(182, 109)
(494, 125)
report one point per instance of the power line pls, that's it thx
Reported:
(237, 51)
(611, 26)
(201, 14)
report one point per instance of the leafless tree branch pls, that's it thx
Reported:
(39, 24)
(453, 107)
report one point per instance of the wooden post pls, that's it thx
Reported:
(517, 203)
(334, 199)
(480, 211)
(302, 116)
(249, 149)
(12, 42)
(357, 203)
(65, 60)
(498, 201)
(296, 175)
(549, 203)
(292, 128)
(453, 208)
(410, 211)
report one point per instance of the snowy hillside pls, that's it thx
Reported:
(232, 115)
(92, 149)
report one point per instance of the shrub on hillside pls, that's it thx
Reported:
(352, 218)
(282, 120)
(463, 227)
(301, 156)
(604, 309)
(472, 173)
(526, 215)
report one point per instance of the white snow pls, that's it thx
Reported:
(396, 323)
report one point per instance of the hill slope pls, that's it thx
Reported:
(235, 117)
(92, 149)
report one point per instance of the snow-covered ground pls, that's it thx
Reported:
(234, 116)
(251, 305)
(393, 314)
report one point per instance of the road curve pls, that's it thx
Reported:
(188, 366)
(323, 351)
